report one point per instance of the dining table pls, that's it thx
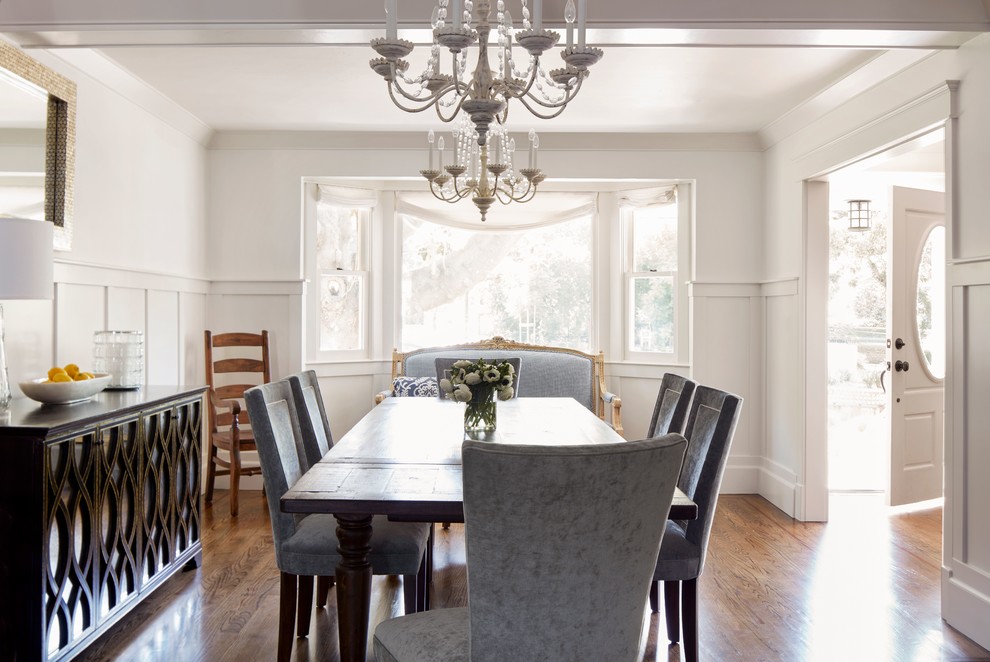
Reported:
(403, 460)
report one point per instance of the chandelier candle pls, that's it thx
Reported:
(391, 19)
(582, 21)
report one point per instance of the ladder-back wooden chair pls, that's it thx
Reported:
(229, 425)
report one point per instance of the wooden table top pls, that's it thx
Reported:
(403, 458)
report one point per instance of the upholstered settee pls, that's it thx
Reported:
(543, 372)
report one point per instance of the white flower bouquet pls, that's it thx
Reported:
(477, 383)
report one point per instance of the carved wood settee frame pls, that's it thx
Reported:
(606, 405)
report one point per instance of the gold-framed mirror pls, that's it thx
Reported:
(56, 136)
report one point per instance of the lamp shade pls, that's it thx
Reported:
(26, 259)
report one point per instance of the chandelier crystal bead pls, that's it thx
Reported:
(488, 93)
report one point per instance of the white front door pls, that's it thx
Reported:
(916, 342)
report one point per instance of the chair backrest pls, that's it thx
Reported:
(710, 427)
(313, 423)
(253, 368)
(562, 542)
(276, 432)
(673, 400)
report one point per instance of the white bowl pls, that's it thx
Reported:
(62, 393)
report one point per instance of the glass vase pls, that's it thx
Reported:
(479, 412)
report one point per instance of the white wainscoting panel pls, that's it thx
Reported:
(161, 342)
(192, 323)
(80, 310)
(126, 309)
(966, 528)
(785, 403)
(727, 352)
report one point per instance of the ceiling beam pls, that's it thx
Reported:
(836, 23)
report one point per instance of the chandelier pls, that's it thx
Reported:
(473, 174)
(486, 95)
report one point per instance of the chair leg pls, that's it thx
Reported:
(429, 566)
(235, 479)
(286, 615)
(305, 609)
(409, 586)
(655, 596)
(323, 585)
(672, 610)
(211, 474)
(423, 585)
(689, 610)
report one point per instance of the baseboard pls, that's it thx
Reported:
(742, 475)
(247, 483)
(965, 609)
(780, 490)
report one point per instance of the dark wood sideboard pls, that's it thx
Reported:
(99, 504)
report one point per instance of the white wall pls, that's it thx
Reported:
(138, 259)
(255, 211)
(906, 104)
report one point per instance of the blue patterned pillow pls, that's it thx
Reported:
(417, 387)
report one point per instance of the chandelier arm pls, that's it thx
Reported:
(457, 108)
(528, 195)
(523, 101)
(467, 190)
(503, 196)
(429, 101)
(441, 195)
(562, 103)
(529, 83)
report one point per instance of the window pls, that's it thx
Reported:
(529, 284)
(654, 293)
(340, 285)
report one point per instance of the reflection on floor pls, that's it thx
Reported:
(863, 587)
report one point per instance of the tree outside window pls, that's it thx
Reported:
(652, 277)
(532, 285)
(342, 275)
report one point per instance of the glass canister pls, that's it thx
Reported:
(121, 355)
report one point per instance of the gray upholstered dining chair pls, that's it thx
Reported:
(317, 440)
(545, 527)
(709, 432)
(305, 546)
(313, 422)
(673, 400)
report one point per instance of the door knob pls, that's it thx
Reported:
(901, 366)
(898, 344)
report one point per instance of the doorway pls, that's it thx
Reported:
(879, 442)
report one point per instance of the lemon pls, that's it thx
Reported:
(55, 371)
(80, 376)
(71, 369)
(60, 377)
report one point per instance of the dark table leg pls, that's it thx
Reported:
(353, 585)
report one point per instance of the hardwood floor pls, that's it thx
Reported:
(863, 587)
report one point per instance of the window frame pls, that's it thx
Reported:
(681, 337)
(366, 259)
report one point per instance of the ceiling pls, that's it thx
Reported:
(633, 89)
(717, 66)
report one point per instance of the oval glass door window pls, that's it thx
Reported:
(930, 303)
